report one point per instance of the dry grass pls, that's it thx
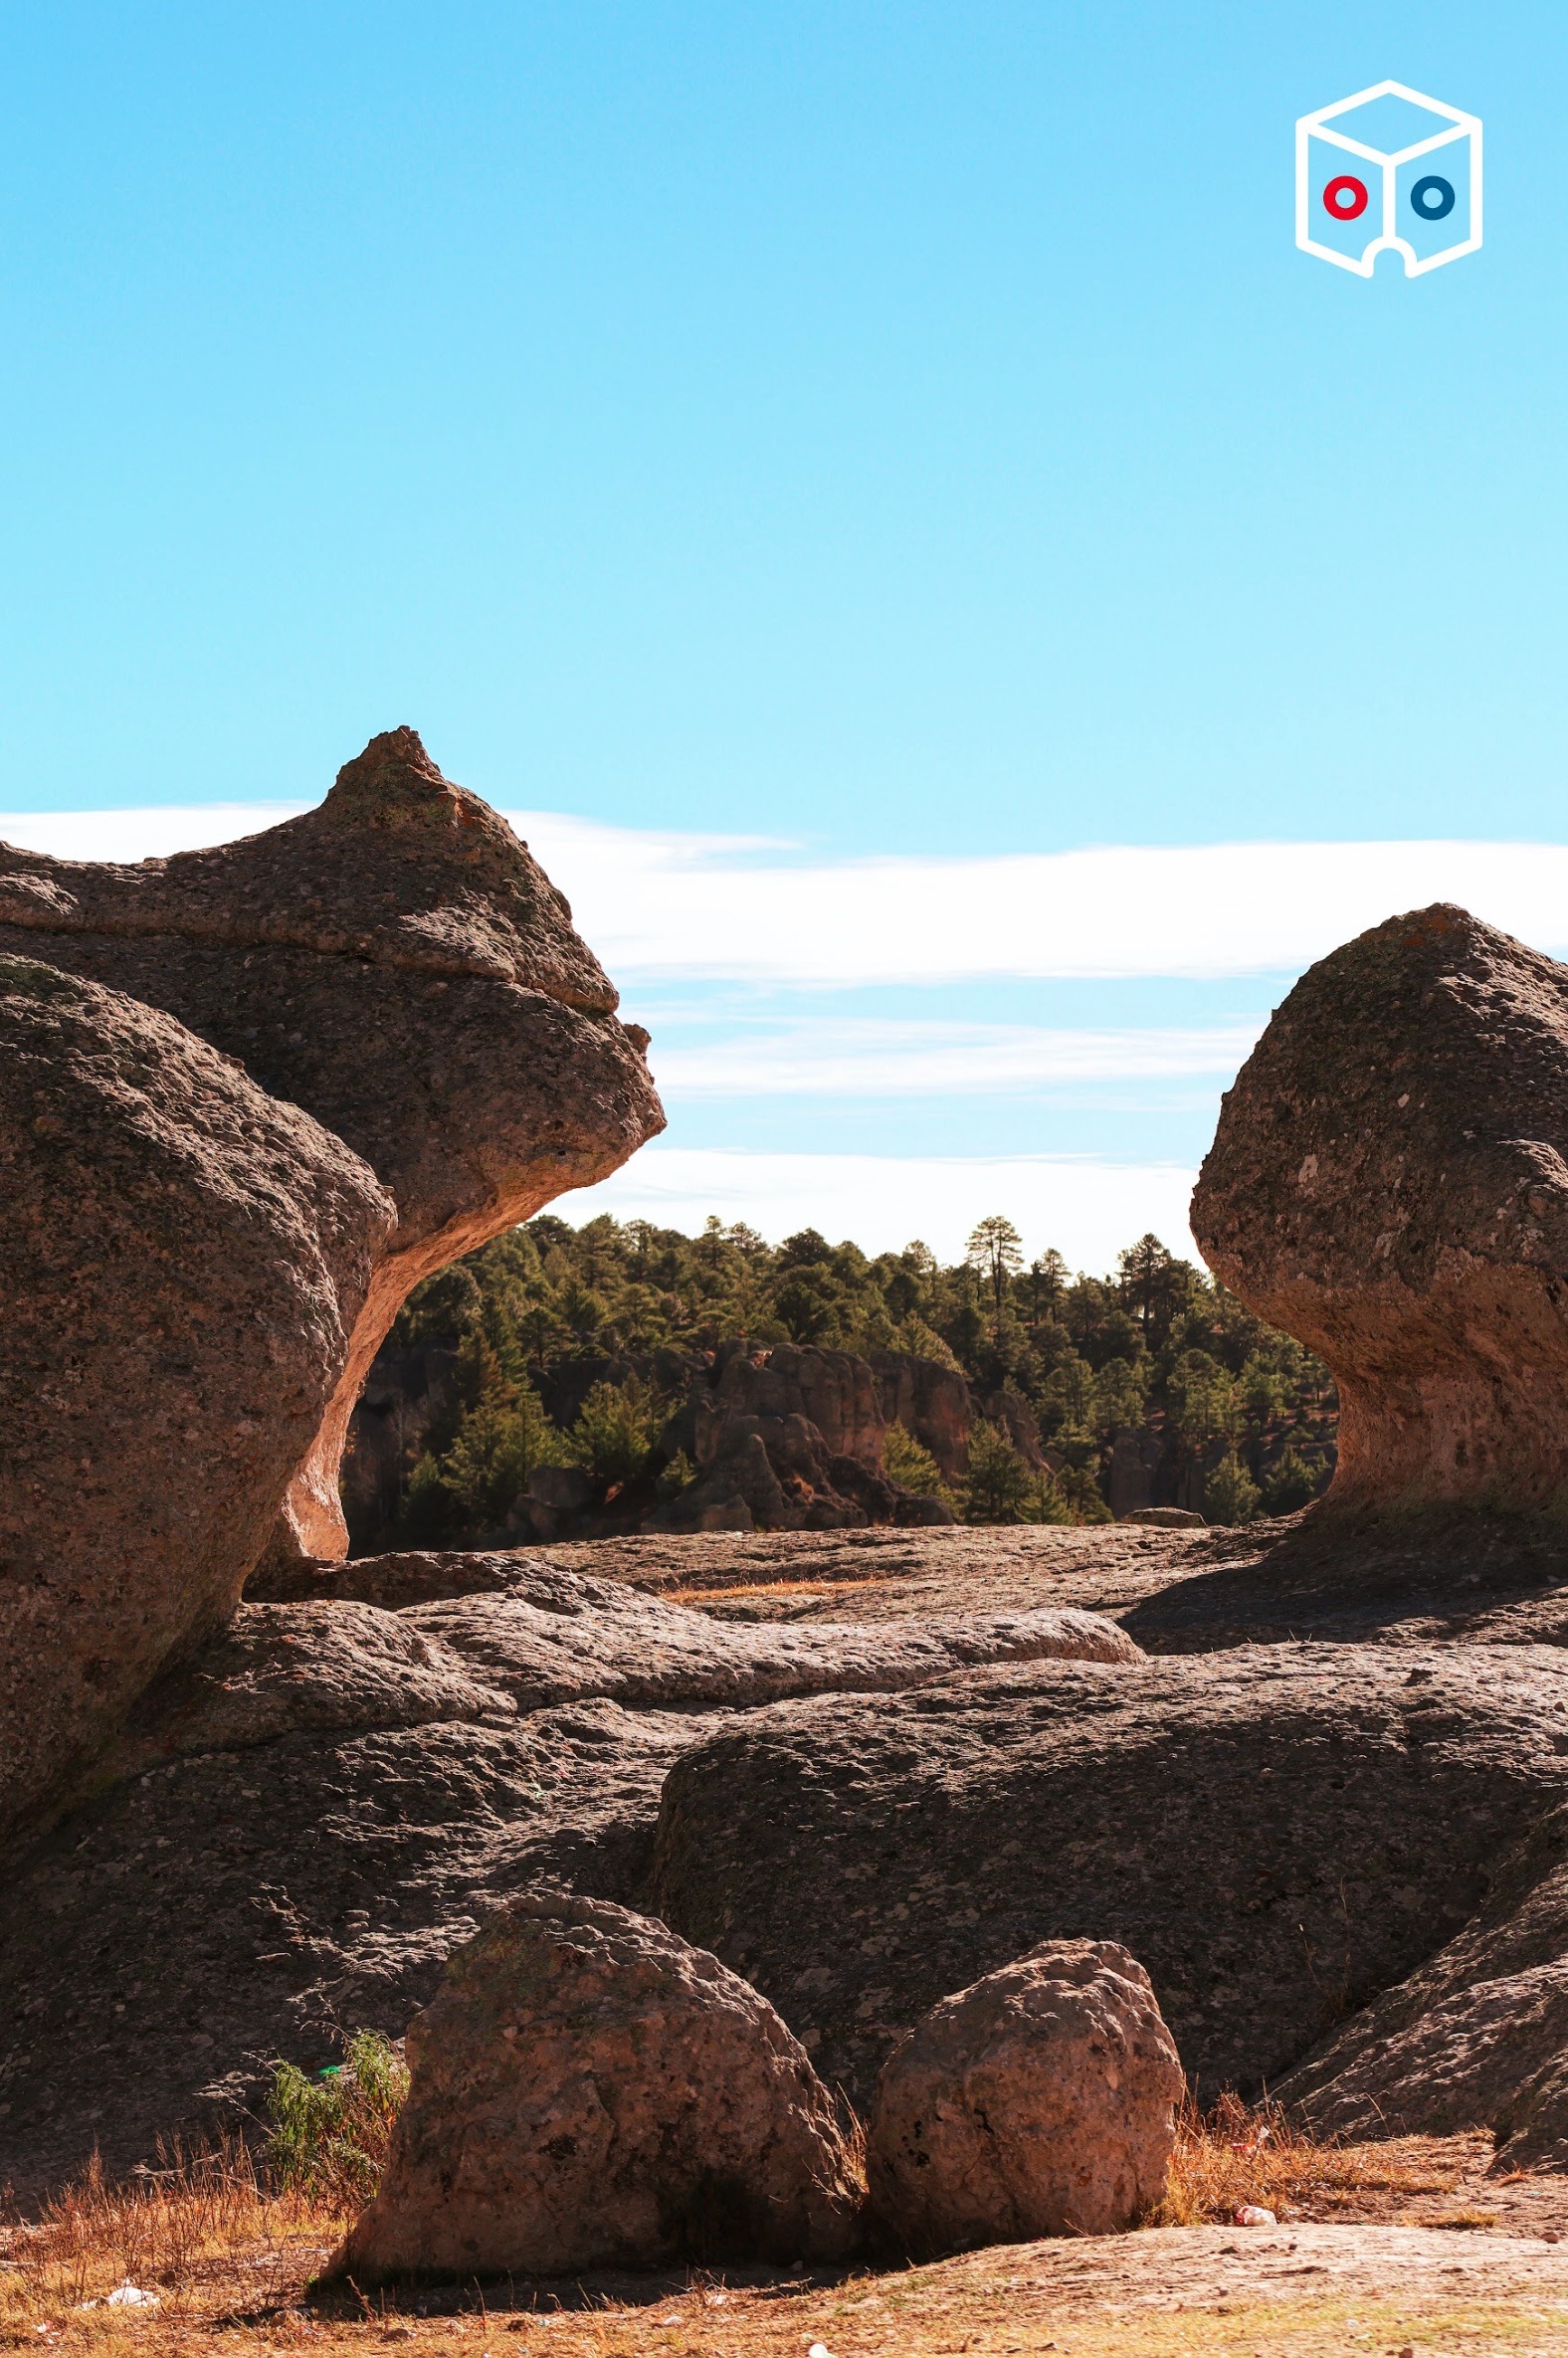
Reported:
(1253, 2153)
(229, 2262)
(201, 2235)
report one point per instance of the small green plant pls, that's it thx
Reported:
(327, 2136)
(1230, 1495)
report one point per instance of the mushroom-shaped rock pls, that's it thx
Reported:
(589, 2091)
(396, 963)
(1388, 1183)
(1040, 2101)
(182, 1261)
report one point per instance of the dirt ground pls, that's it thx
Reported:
(1301, 2288)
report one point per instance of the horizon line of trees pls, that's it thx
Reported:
(1156, 1340)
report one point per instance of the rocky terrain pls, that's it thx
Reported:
(1311, 1776)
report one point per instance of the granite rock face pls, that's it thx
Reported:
(588, 2092)
(183, 1260)
(1277, 1833)
(396, 964)
(1040, 2101)
(314, 1811)
(1477, 2036)
(1388, 1182)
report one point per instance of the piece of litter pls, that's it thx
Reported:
(818, 2350)
(671, 2320)
(1253, 2215)
(131, 2296)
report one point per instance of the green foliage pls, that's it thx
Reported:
(1201, 1399)
(999, 1487)
(1230, 1495)
(1091, 1355)
(1291, 1485)
(327, 2136)
(912, 1468)
(1080, 1494)
(616, 1429)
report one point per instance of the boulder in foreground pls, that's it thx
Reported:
(182, 1261)
(588, 2092)
(394, 962)
(1041, 2101)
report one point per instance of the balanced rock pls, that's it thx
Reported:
(1388, 1182)
(1041, 2101)
(395, 963)
(183, 1262)
(588, 2092)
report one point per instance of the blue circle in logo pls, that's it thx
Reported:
(1433, 198)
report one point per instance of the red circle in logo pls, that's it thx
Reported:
(1345, 198)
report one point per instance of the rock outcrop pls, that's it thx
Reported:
(303, 1821)
(1388, 1183)
(183, 1261)
(588, 2092)
(1040, 2101)
(1279, 1834)
(396, 964)
(1477, 2036)
(930, 1399)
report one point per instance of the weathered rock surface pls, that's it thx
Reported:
(1276, 1834)
(182, 1262)
(1040, 2101)
(1476, 2035)
(1388, 1183)
(931, 1401)
(395, 963)
(589, 2091)
(329, 1798)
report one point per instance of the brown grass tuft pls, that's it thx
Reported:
(1240, 2153)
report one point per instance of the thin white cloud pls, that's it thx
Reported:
(851, 1058)
(663, 906)
(1087, 1210)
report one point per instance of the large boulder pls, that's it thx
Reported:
(395, 963)
(588, 2092)
(1277, 1833)
(182, 1261)
(1040, 2101)
(1388, 1182)
(312, 1812)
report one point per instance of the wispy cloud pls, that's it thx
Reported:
(1087, 1208)
(852, 1057)
(667, 905)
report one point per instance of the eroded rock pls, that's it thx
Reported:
(183, 1262)
(1040, 2101)
(589, 2091)
(1388, 1183)
(395, 963)
(1277, 1832)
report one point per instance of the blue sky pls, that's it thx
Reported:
(897, 433)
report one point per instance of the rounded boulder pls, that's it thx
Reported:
(1039, 2101)
(589, 2091)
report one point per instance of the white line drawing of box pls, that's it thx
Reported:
(1320, 125)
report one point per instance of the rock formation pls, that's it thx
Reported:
(305, 1818)
(396, 964)
(183, 1260)
(1388, 1182)
(588, 2092)
(1040, 2101)
(1278, 1833)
